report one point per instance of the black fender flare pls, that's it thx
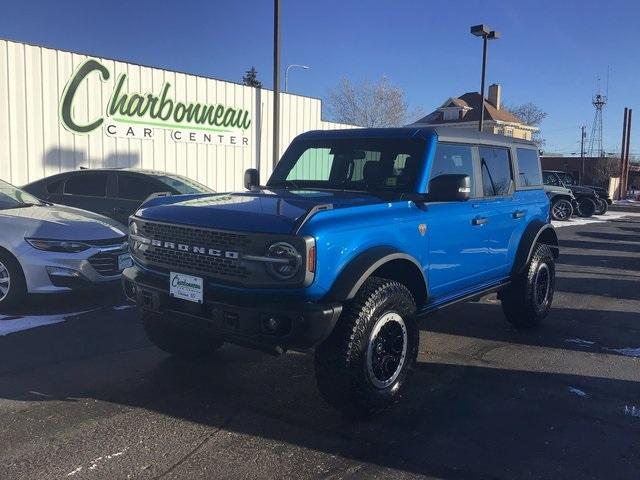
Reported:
(359, 269)
(535, 231)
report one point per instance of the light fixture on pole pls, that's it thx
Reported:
(487, 34)
(286, 74)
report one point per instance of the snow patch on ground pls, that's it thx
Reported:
(628, 352)
(579, 341)
(595, 219)
(123, 307)
(577, 391)
(12, 324)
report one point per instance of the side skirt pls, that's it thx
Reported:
(432, 308)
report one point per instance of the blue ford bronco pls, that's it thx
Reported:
(357, 235)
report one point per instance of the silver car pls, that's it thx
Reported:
(46, 248)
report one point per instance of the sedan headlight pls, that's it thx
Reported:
(286, 261)
(64, 246)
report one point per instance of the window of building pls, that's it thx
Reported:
(88, 184)
(528, 167)
(453, 159)
(497, 177)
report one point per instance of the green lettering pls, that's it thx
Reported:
(66, 103)
(165, 102)
(118, 104)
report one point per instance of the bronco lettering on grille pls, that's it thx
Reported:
(183, 247)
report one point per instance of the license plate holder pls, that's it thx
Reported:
(186, 287)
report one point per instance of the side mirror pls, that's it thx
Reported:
(251, 179)
(450, 188)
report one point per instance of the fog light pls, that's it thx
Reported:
(130, 290)
(63, 272)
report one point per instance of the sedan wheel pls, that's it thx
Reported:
(5, 281)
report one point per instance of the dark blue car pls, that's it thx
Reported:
(356, 236)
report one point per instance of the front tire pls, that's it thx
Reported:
(363, 365)
(178, 341)
(13, 287)
(561, 209)
(527, 301)
(601, 207)
(586, 207)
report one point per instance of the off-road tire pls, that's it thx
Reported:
(15, 282)
(561, 209)
(181, 342)
(586, 207)
(527, 301)
(601, 207)
(343, 363)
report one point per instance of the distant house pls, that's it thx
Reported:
(464, 112)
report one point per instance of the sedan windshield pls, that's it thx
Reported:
(183, 184)
(12, 197)
(354, 164)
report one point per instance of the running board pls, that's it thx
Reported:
(430, 309)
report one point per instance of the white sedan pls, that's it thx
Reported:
(46, 248)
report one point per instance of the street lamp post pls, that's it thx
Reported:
(286, 74)
(487, 34)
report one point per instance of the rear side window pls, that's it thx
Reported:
(453, 159)
(132, 187)
(497, 176)
(53, 187)
(87, 184)
(550, 179)
(528, 168)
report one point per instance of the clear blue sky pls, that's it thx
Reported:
(551, 52)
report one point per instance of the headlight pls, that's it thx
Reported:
(287, 260)
(66, 246)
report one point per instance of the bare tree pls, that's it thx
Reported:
(603, 169)
(531, 115)
(369, 104)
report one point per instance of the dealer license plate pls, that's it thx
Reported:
(124, 261)
(186, 287)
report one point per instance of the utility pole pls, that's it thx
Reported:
(583, 136)
(487, 34)
(276, 81)
(623, 151)
(626, 154)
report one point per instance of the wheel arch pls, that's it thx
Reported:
(386, 262)
(536, 232)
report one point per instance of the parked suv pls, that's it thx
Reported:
(604, 200)
(115, 193)
(562, 202)
(587, 201)
(356, 236)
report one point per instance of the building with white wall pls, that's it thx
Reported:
(61, 111)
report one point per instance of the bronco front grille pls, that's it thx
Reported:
(232, 269)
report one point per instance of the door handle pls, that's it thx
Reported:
(519, 213)
(479, 221)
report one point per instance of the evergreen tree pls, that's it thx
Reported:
(250, 78)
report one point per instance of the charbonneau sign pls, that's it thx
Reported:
(137, 115)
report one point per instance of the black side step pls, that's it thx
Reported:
(430, 309)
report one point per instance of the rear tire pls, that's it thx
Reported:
(586, 207)
(601, 207)
(363, 365)
(13, 287)
(527, 301)
(561, 209)
(181, 342)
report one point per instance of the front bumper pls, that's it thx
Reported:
(301, 325)
(43, 271)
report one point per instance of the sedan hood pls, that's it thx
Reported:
(267, 211)
(59, 222)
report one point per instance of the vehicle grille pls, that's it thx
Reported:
(231, 269)
(106, 263)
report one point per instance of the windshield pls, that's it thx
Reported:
(12, 197)
(356, 164)
(183, 185)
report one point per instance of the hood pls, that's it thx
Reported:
(582, 190)
(557, 189)
(267, 211)
(60, 223)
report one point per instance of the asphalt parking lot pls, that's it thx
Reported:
(84, 395)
